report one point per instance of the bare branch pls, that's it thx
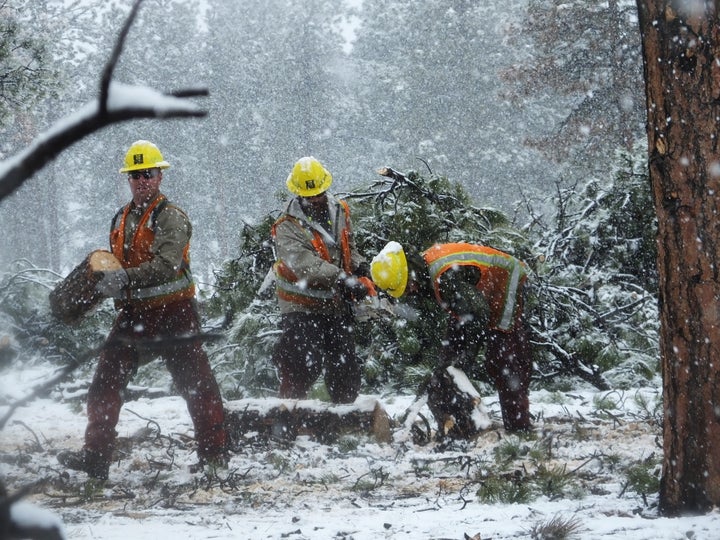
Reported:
(61, 374)
(116, 103)
(115, 56)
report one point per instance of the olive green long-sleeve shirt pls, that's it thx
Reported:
(172, 233)
(293, 246)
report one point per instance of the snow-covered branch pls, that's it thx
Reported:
(116, 103)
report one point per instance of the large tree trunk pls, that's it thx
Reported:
(682, 79)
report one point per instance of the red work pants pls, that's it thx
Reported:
(150, 331)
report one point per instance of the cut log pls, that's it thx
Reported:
(287, 418)
(75, 296)
(455, 404)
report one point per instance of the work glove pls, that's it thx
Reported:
(363, 269)
(352, 289)
(112, 282)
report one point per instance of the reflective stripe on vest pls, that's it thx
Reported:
(180, 284)
(298, 292)
(442, 257)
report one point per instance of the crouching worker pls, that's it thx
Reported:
(155, 298)
(481, 288)
(318, 276)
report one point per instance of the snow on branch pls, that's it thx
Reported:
(116, 103)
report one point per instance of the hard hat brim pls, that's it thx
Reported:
(400, 290)
(144, 166)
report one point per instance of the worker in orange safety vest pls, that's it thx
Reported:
(319, 274)
(154, 295)
(482, 289)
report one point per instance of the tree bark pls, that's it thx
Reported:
(682, 79)
(75, 296)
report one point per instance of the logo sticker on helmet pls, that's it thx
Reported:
(309, 184)
(137, 159)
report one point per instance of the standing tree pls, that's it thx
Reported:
(681, 49)
(427, 86)
(28, 75)
(585, 66)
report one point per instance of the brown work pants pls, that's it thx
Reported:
(151, 332)
(508, 362)
(311, 344)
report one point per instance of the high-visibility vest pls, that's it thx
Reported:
(288, 286)
(501, 282)
(179, 288)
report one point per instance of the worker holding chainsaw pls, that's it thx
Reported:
(319, 275)
(482, 289)
(154, 295)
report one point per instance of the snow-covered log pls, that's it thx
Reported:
(288, 418)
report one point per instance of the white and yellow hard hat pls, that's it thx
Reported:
(389, 269)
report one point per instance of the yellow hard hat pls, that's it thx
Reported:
(143, 155)
(308, 178)
(389, 269)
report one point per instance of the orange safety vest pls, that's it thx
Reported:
(501, 282)
(286, 280)
(180, 288)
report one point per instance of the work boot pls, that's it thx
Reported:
(211, 465)
(87, 461)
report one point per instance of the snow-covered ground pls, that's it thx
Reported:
(578, 467)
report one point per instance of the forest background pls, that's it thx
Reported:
(518, 126)
(509, 100)
(530, 108)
